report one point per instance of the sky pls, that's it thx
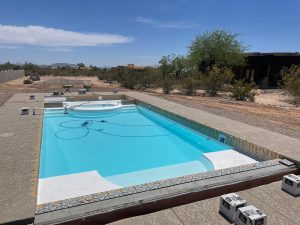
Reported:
(119, 32)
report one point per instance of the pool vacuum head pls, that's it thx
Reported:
(85, 124)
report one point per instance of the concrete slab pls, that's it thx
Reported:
(19, 158)
(273, 215)
(274, 197)
(165, 217)
(73, 185)
(206, 211)
(228, 158)
(202, 212)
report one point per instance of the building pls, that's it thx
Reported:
(264, 68)
(129, 67)
(135, 68)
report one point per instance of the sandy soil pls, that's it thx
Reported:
(274, 97)
(271, 109)
(54, 83)
(285, 120)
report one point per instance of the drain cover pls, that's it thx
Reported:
(7, 134)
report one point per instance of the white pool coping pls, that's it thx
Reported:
(70, 186)
(54, 99)
(228, 158)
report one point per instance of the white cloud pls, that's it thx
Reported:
(10, 46)
(51, 37)
(166, 24)
(57, 49)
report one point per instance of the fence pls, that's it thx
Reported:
(10, 75)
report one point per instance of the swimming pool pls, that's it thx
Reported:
(126, 146)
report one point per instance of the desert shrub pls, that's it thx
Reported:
(215, 79)
(27, 81)
(291, 82)
(129, 81)
(189, 85)
(167, 84)
(243, 91)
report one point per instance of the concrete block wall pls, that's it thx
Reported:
(11, 75)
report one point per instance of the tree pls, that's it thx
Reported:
(291, 82)
(166, 67)
(218, 48)
(80, 65)
(179, 64)
(6, 66)
(29, 67)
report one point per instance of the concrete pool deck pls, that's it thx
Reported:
(280, 208)
(20, 138)
(19, 149)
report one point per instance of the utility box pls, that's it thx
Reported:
(25, 111)
(291, 184)
(250, 215)
(229, 204)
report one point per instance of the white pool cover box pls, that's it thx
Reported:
(229, 204)
(291, 184)
(250, 215)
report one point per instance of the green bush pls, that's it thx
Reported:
(189, 85)
(243, 91)
(215, 79)
(167, 85)
(129, 81)
(291, 82)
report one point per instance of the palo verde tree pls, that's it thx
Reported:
(216, 48)
(179, 66)
(213, 54)
(167, 69)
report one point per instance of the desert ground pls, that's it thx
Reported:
(271, 110)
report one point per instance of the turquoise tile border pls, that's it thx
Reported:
(254, 151)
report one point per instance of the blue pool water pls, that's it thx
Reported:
(129, 142)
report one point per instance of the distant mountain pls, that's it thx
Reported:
(59, 65)
(43, 66)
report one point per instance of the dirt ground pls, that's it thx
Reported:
(271, 109)
(54, 83)
(276, 117)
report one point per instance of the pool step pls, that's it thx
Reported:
(72, 185)
(158, 173)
